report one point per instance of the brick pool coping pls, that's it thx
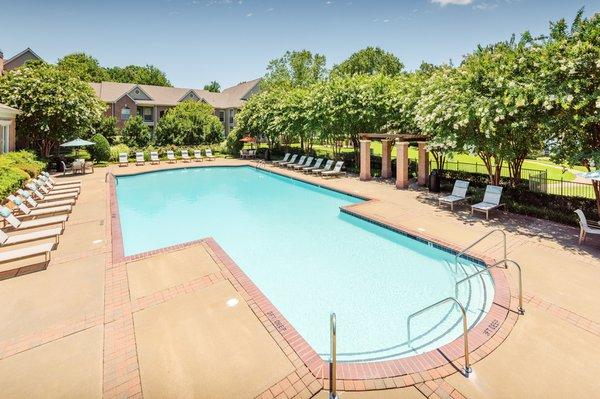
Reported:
(448, 359)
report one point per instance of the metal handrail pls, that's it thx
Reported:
(333, 360)
(106, 176)
(461, 253)
(467, 368)
(497, 264)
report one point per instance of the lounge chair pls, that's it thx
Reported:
(291, 160)
(6, 239)
(285, 159)
(459, 194)
(60, 183)
(585, 228)
(27, 212)
(198, 156)
(317, 165)
(49, 197)
(43, 188)
(8, 217)
(209, 154)
(33, 204)
(185, 156)
(139, 159)
(51, 184)
(337, 170)
(305, 164)
(26, 252)
(491, 201)
(328, 166)
(300, 162)
(171, 157)
(154, 158)
(123, 161)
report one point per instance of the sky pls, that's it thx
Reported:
(231, 41)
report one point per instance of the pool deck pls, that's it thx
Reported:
(95, 324)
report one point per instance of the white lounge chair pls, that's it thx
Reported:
(55, 190)
(289, 161)
(198, 156)
(6, 239)
(585, 228)
(185, 156)
(46, 200)
(171, 157)
(285, 159)
(26, 252)
(60, 183)
(154, 159)
(33, 204)
(52, 196)
(328, 166)
(337, 170)
(139, 159)
(27, 212)
(300, 162)
(48, 182)
(209, 154)
(459, 194)
(491, 201)
(123, 161)
(8, 217)
(305, 164)
(317, 165)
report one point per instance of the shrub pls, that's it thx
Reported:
(115, 150)
(107, 127)
(136, 133)
(189, 123)
(16, 168)
(100, 151)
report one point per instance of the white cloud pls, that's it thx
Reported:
(249, 15)
(444, 3)
(485, 6)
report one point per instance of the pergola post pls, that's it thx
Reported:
(402, 165)
(386, 158)
(423, 170)
(365, 160)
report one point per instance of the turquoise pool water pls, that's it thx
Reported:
(307, 257)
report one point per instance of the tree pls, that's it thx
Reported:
(55, 106)
(107, 127)
(213, 87)
(135, 133)
(370, 61)
(146, 75)
(101, 151)
(84, 67)
(570, 82)
(295, 69)
(189, 123)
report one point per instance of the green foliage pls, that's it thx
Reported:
(55, 106)
(370, 61)
(146, 75)
(115, 150)
(101, 151)
(135, 132)
(295, 69)
(84, 67)
(107, 127)
(213, 87)
(189, 123)
(16, 168)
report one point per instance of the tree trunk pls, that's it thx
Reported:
(356, 146)
(514, 167)
(596, 186)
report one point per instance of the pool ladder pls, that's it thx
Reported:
(333, 359)
(503, 263)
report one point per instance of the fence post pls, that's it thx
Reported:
(476, 164)
(457, 169)
(561, 185)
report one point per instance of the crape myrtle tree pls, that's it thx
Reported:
(55, 106)
(189, 123)
(570, 78)
(295, 117)
(135, 133)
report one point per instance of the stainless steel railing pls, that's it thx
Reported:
(333, 359)
(467, 368)
(468, 247)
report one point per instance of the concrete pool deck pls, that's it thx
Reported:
(160, 326)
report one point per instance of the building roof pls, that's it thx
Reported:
(15, 58)
(232, 97)
(5, 110)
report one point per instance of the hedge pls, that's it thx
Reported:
(16, 168)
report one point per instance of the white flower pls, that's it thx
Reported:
(569, 98)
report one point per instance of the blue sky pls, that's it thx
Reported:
(196, 41)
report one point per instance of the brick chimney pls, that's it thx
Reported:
(1, 62)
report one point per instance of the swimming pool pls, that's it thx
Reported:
(308, 257)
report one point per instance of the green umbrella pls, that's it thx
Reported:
(77, 143)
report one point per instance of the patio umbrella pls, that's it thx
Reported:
(595, 175)
(77, 143)
(248, 139)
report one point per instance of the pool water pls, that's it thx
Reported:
(308, 257)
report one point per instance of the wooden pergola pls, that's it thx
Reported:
(402, 141)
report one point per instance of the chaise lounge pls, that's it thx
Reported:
(459, 194)
(491, 201)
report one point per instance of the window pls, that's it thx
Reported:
(148, 117)
(125, 113)
(4, 139)
(231, 116)
(161, 113)
(222, 116)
